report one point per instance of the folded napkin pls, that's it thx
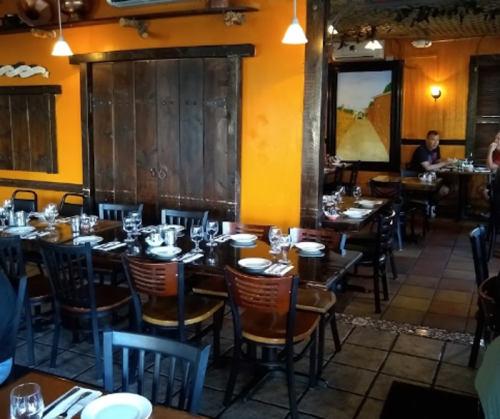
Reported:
(109, 246)
(278, 269)
(148, 229)
(222, 239)
(35, 234)
(63, 220)
(63, 405)
(192, 258)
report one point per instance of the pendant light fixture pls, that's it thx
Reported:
(61, 48)
(294, 34)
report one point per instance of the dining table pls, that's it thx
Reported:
(53, 387)
(413, 183)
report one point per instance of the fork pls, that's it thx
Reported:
(64, 414)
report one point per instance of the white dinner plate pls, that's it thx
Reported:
(20, 230)
(365, 203)
(254, 264)
(118, 406)
(178, 228)
(351, 213)
(309, 247)
(165, 251)
(87, 239)
(243, 238)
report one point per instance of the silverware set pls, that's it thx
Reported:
(276, 269)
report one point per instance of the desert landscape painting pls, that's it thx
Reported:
(364, 115)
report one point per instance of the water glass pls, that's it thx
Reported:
(137, 218)
(197, 237)
(356, 193)
(7, 205)
(50, 213)
(129, 227)
(274, 238)
(93, 221)
(284, 244)
(26, 402)
(341, 192)
(212, 230)
(3, 216)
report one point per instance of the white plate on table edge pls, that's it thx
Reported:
(243, 238)
(178, 227)
(115, 405)
(255, 264)
(309, 247)
(165, 251)
(355, 214)
(367, 203)
(87, 239)
(20, 230)
(248, 245)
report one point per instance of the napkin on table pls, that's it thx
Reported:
(192, 257)
(222, 239)
(61, 407)
(282, 271)
(34, 235)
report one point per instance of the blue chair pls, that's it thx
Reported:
(191, 362)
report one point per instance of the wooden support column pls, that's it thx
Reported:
(315, 88)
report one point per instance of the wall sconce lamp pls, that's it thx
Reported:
(436, 92)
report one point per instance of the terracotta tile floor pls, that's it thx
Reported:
(435, 285)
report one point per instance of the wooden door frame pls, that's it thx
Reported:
(85, 62)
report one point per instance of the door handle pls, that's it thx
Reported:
(153, 172)
(162, 174)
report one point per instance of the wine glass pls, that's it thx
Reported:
(274, 238)
(212, 229)
(3, 216)
(129, 227)
(197, 237)
(356, 193)
(50, 213)
(341, 192)
(7, 205)
(285, 243)
(26, 402)
(137, 218)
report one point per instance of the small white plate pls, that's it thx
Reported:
(255, 264)
(20, 230)
(87, 239)
(165, 251)
(246, 245)
(118, 405)
(178, 228)
(350, 213)
(309, 247)
(243, 238)
(365, 203)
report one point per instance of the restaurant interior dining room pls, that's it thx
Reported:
(248, 208)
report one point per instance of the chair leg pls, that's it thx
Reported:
(312, 359)
(38, 320)
(399, 234)
(218, 319)
(385, 285)
(290, 376)
(492, 242)
(29, 333)
(477, 339)
(321, 344)
(55, 341)
(97, 347)
(231, 383)
(335, 331)
(393, 266)
(376, 288)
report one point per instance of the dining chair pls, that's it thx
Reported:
(264, 315)
(184, 218)
(375, 254)
(117, 211)
(420, 202)
(169, 307)
(69, 209)
(38, 291)
(25, 204)
(353, 178)
(186, 367)
(261, 231)
(77, 298)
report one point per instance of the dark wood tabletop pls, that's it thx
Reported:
(412, 183)
(53, 387)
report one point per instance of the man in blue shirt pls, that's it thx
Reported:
(9, 321)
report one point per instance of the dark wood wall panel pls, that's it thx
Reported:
(5, 134)
(38, 109)
(191, 134)
(102, 77)
(145, 135)
(167, 100)
(20, 132)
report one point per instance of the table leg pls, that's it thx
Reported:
(462, 196)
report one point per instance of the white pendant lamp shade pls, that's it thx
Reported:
(61, 48)
(373, 45)
(295, 34)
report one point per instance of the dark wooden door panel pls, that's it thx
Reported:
(145, 136)
(168, 131)
(191, 134)
(20, 132)
(102, 117)
(38, 109)
(5, 134)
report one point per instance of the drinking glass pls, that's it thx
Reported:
(197, 237)
(129, 227)
(212, 229)
(285, 243)
(356, 193)
(26, 402)
(274, 238)
(7, 204)
(3, 216)
(50, 213)
(341, 192)
(137, 218)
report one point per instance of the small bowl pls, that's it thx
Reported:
(331, 217)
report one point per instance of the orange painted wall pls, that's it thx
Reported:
(273, 86)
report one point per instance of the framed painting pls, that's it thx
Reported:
(364, 113)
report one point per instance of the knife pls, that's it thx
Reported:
(49, 409)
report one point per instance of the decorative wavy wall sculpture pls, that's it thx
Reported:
(23, 71)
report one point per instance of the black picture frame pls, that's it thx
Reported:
(396, 67)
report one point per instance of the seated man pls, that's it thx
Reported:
(492, 163)
(8, 328)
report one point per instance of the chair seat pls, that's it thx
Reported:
(318, 301)
(271, 328)
(211, 285)
(107, 298)
(39, 288)
(162, 311)
(368, 252)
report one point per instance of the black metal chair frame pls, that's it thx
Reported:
(353, 177)
(185, 218)
(193, 362)
(68, 209)
(108, 211)
(422, 205)
(27, 205)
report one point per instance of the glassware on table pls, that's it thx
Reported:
(285, 244)
(274, 238)
(3, 216)
(50, 213)
(129, 227)
(93, 220)
(137, 217)
(341, 192)
(212, 230)
(197, 237)
(356, 193)
(8, 205)
(26, 402)
(85, 224)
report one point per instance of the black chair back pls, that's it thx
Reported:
(353, 179)
(338, 176)
(12, 260)
(185, 363)
(477, 239)
(69, 209)
(389, 190)
(25, 204)
(409, 173)
(185, 218)
(385, 233)
(117, 211)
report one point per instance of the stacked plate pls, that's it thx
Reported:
(165, 252)
(310, 249)
(243, 240)
(368, 203)
(255, 264)
(87, 239)
(356, 213)
(118, 405)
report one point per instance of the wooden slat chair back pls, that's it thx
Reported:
(389, 190)
(334, 240)
(186, 367)
(116, 212)
(25, 204)
(69, 209)
(184, 218)
(261, 231)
